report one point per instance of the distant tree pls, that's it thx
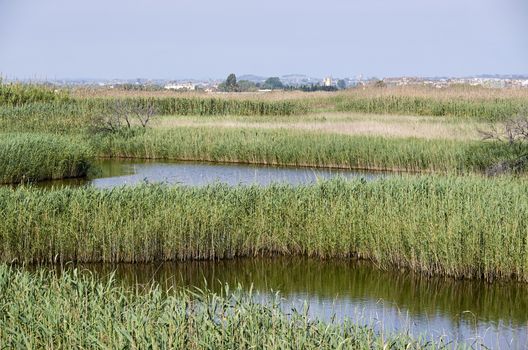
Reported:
(341, 84)
(222, 87)
(379, 83)
(273, 83)
(246, 85)
(230, 84)
(316, 87)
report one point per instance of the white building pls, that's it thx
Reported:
(180, 86)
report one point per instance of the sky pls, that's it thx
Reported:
(178, 39)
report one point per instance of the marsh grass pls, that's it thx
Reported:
(36, 157)
(16, 94)
(303, 148)
(489, 110)
(55, 112)
(462, 101)
(47, 117)
(76, 115)
(466, 227)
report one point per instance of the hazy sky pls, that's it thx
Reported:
(211, 38)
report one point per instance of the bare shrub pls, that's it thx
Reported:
(122, 115)
(513, 133)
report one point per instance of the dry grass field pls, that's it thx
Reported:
(342, 124)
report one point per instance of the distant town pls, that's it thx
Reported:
(288, 82)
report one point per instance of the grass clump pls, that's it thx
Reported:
(466, 227)
(43, 310)
(35, 157)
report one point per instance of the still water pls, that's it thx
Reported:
(112, 173)
(474, 312)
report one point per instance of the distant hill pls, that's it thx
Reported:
(287, 79)
(252, 78)
(503, 76)
(298, 79)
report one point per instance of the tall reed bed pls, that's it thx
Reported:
(489, 110)
(75, 115)
(465, 227)
(35, 157)
(16, 94)
(198, 106)
(190, 106)
(72, 114)
(297, 148)
(460, 91)
(219, 106)
(75, 311)
(49, 117)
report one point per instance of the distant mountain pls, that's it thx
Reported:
(295, 76)
(298, 79)
(503, 76)
(252, 78)
(287, 79)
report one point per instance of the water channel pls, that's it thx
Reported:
(474, 312)
(112, 173)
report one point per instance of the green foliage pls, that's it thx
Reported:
(295, 148)
(76, 311)
(247, 86)
(138, 87)
(33, 157)
(491, 110)
(231, 81)
(465, 227)
(230, 85)
(20, 94)
(273, 83)
(76, 115)
(49, 117)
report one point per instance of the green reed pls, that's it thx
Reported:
(297, 148)
(74, 310)
(466, 227)
(35, 157)
(16, 94)
(486, 109)
(76, 115)
(49, 117)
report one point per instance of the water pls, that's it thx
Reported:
(114, 173)
(492, 314)
(471, 311)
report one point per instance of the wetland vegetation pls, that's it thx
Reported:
(37, 157)
(43, 310)
(463, 227)
(454, 222)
